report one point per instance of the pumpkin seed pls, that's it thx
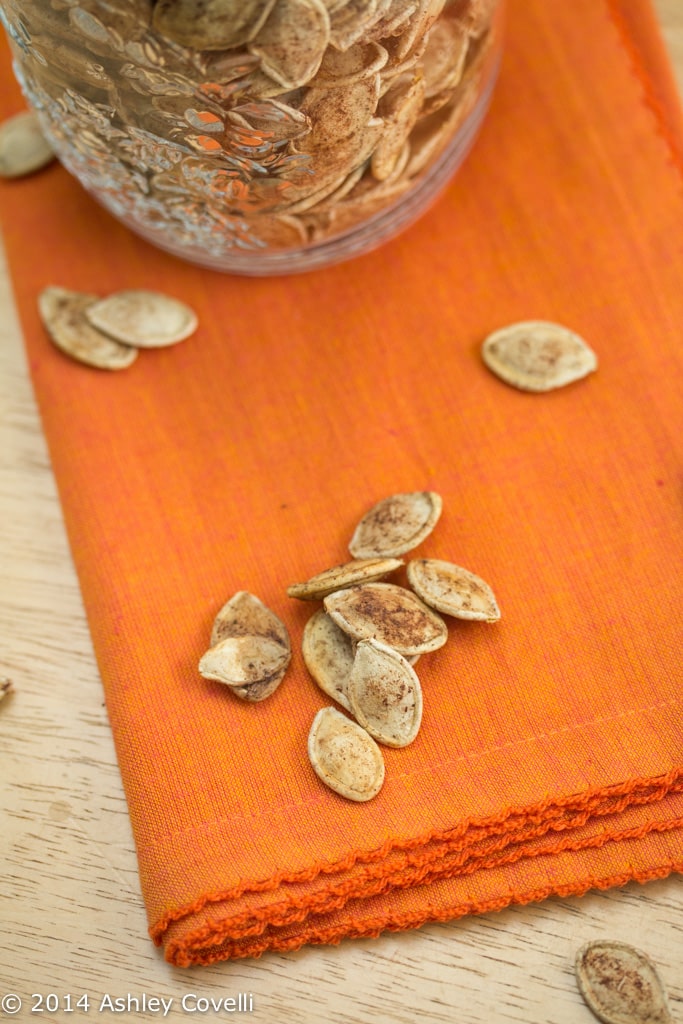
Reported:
(292, 41)
(431, 134)
(328, 654)
(444, 59)
(143, 319)
(396, 525)
(344, 756)
(537, 355)
(399, 108)
(351, 21)
(63, 313)
(245, 615)
(393, 615)
(360, 570)
(258, 691)
(343, 67)
(413, 35)
(620, 984)
(243, 660)
(452, 590)
(210, 24)
(395, 18)
(23, 147)
(385, 694)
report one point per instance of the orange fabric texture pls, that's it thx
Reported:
(550, 758)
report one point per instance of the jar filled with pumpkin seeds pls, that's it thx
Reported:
(259, 136)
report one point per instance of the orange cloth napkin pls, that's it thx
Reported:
(550, 758)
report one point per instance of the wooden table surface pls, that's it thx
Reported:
(71, 916)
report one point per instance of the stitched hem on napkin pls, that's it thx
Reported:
(650, 64)
(586, 821)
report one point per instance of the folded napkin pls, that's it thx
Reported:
(550, 758)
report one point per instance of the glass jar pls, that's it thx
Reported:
(259, 136)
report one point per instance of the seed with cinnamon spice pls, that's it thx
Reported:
(344, 756)
(538, 356)
(396, 524)
(620, 984)
(142, 318)
(385, 694)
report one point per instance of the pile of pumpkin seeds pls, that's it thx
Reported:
(371, 92)
(107, 333)
(361, 646)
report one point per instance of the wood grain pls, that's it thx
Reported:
(71, 914)
(671, 20)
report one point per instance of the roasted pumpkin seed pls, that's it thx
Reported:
(344, 756)
(210, 24)
(620, 984)
(360, 570)
(63, 313)
(246, 615)
(452, 590)
(328, 654)
(292, 41)
(142, 318)
(396, 525)
(243, 660)
(536, 355)
(258, 691)
(23, 147)
(385, 694)
(393, 615)
(399, 108)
